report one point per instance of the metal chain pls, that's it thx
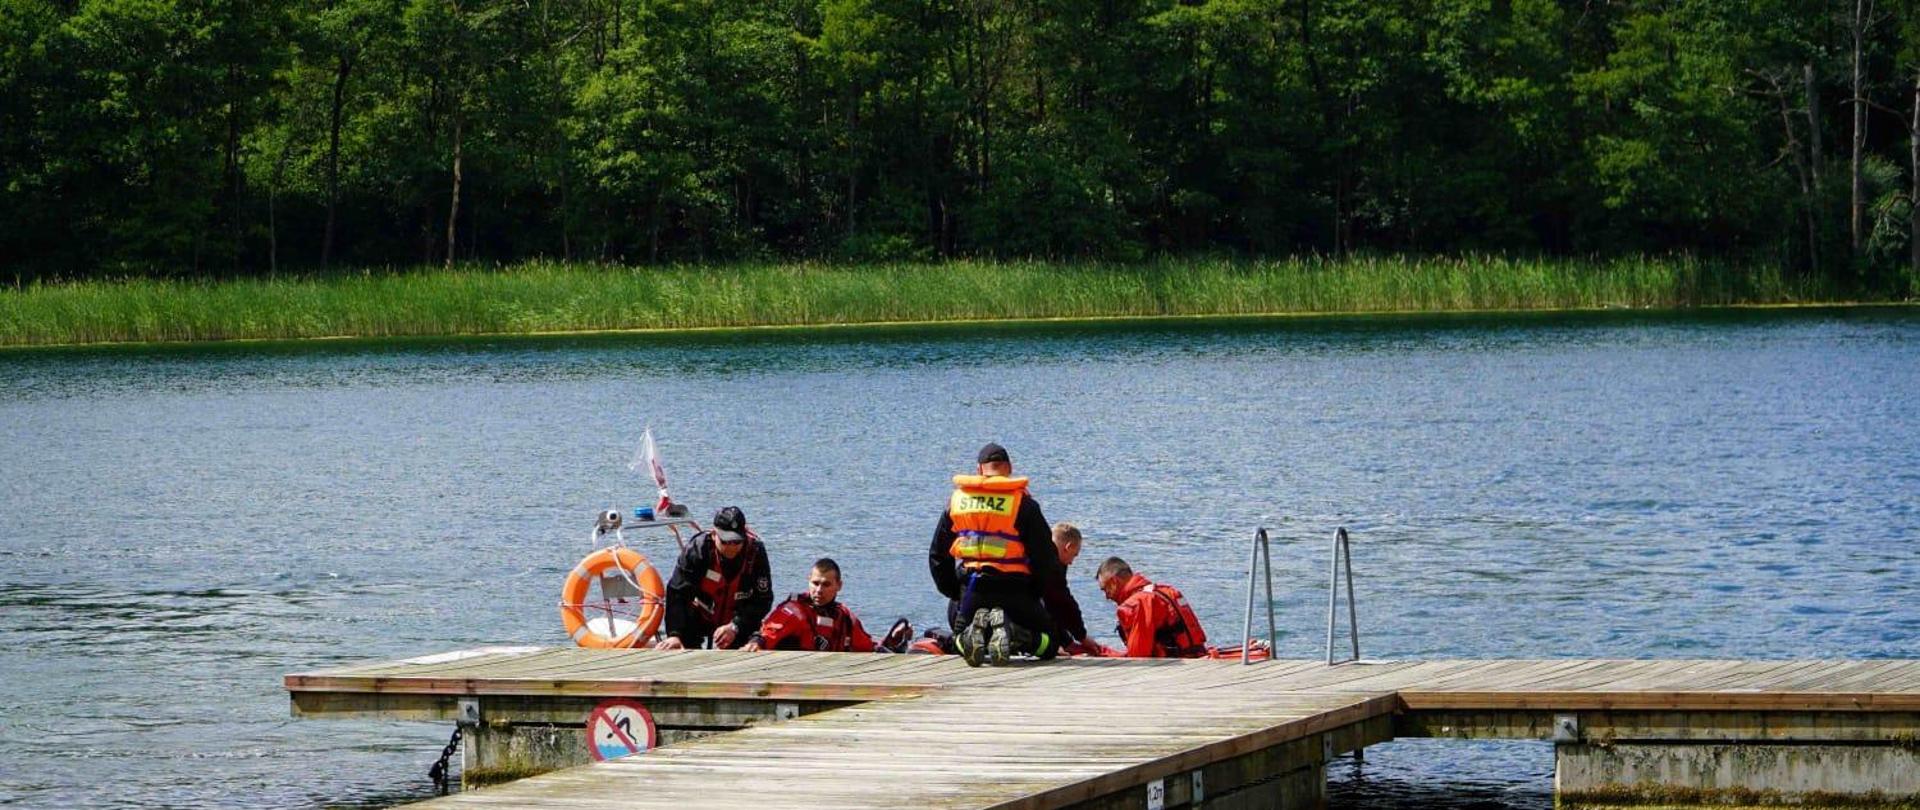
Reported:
(438, 773)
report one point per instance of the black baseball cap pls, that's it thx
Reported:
(991, 453)
(730, 524)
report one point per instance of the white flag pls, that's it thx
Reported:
(648, 460)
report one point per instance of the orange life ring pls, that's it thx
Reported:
(612, 632)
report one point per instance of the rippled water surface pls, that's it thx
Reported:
(182, 527)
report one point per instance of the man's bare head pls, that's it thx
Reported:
(1066, 538)
(823, 582)
(1113, 575)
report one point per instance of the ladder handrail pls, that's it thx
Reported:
(1342, 547)
(1260, 552)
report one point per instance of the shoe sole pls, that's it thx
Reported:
(973, 641)
(970, 649)
(1000, 647)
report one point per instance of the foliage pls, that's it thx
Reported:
(239, 138)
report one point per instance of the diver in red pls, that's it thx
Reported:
(1155, 620)
(814, 620)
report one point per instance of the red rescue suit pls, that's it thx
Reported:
(718, 592)
(799, 624)
(1157, 622)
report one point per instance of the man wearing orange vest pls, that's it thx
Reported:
(992, 552)
(1155, 620)
(720, 588)
(814, 620)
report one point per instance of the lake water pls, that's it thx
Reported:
(181, 527)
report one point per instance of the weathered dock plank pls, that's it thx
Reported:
(1574, 684)
(1024, 748)
(928, 731)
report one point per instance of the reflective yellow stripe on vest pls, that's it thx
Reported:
(985, 548)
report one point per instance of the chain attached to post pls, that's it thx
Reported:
(438, 773)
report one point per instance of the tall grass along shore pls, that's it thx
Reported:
(546, 296)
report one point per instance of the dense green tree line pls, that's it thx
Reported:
(246, 136)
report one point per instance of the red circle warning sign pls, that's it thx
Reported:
(620, 728)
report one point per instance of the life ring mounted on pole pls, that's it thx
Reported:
(632, 600)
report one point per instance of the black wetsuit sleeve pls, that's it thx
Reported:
(1061, 605)
(940, 558)
(688, 571)
(749, 612)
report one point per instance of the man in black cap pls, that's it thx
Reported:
(991, 553)
(721, 589)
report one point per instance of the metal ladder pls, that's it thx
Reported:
(1260, 559)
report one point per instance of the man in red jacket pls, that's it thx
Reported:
(814, 620)
(1155, 620)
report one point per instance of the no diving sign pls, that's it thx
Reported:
(619, 728)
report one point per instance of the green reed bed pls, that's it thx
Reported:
(546, 296)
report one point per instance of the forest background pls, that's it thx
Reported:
(235, 138)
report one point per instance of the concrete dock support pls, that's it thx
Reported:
(502, 752)
(506, 738)
(491, 754)
(1739, 773)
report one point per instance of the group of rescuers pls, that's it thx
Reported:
(994, 556)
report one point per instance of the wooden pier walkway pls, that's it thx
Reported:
(891, 730)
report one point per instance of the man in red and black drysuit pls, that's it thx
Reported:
(814, 620)
(721, 589)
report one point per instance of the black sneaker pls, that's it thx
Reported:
(972, 640)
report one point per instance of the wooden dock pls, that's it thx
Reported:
(844, 730)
